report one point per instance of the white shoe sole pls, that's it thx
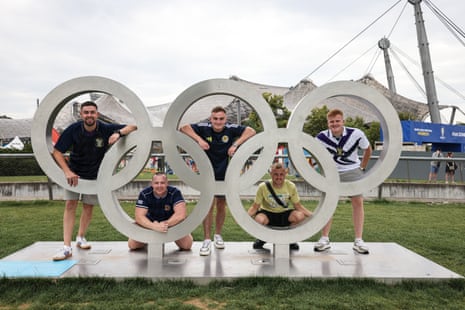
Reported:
(85, 247)
(204, 253)
(56, 259)
(219, 246)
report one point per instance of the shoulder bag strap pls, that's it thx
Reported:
(270, 188)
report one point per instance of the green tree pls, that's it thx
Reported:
(406, 116)
(356, 122)
(280, 112)
(316, 121)
(373, 132)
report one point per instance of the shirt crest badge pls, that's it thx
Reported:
(99, 142)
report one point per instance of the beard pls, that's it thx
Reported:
(89, 121)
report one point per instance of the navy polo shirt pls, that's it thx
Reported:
(159, 208)
(86, 148)
(219, 143)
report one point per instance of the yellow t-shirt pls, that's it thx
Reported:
(287, 193)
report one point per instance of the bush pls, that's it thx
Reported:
(19, 166)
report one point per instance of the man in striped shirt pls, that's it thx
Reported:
(343, 143)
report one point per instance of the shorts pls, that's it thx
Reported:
(87, 199)
(277, 219)
(434, 169)
(351, 176)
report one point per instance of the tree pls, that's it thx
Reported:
(280, 112)
(373, 132)
(316, 121)
(407, 116)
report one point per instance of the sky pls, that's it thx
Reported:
(160, 48)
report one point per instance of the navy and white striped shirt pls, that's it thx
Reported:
(345, 149)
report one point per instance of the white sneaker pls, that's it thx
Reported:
(205, 249)
(360, 247)
(82, 243)
(219, 243)
(322, 245)
(63, 253)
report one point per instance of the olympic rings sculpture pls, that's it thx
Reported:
(140, 142)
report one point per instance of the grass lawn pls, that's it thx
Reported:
(435, 231)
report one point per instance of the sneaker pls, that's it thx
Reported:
(82, 243)
(322, 245)
(205, 249)
(219, 243)
(258, 244)
(63, 253)
(360, 247)
(294, 247)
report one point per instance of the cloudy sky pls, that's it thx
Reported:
(160, 48)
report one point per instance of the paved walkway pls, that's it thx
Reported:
(387, 262)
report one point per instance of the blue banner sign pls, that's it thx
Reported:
(448, 137)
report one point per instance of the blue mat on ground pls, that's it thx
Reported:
(16, 269)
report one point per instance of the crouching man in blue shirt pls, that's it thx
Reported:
(160, 207)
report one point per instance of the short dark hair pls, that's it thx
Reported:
(218, 108)
(89, 104)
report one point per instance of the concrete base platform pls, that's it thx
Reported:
(387, 262)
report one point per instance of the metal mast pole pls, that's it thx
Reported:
(426, 63)
(384, 45)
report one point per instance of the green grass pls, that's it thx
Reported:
(435, 231)
(146, 174)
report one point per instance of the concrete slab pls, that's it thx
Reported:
(387, 262)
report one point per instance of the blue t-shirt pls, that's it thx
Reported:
(219, 143)
(86, 148)
(159, 208)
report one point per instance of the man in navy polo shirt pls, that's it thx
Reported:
(219, 140)
(87, 140)
(160, 207)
